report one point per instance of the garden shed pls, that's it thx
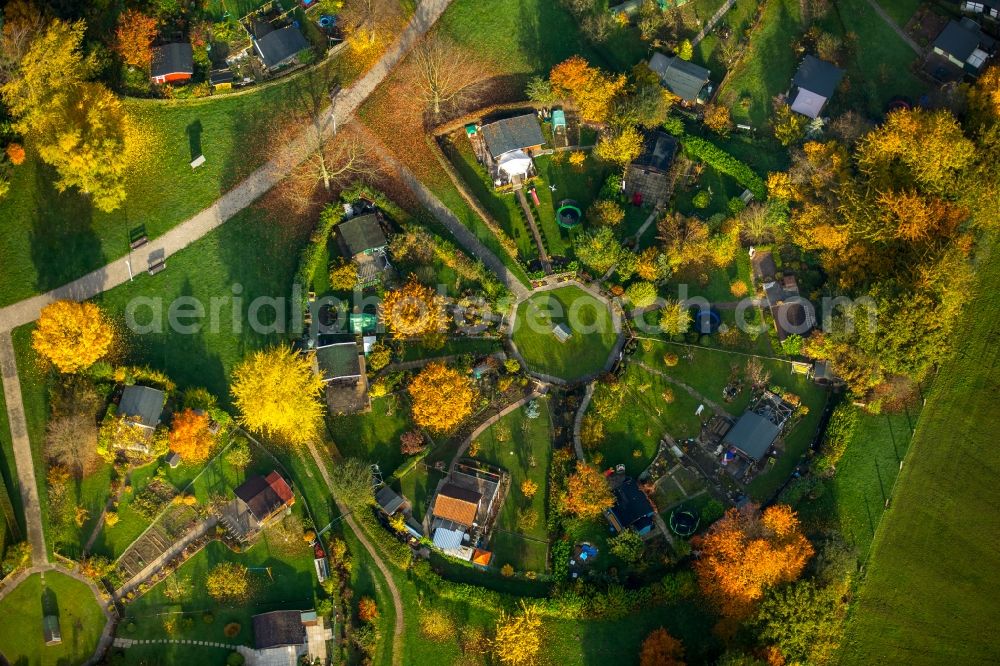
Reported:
(172, 63)
(279, 47)
(648, 178)
(752, 435)
(681, 77)
(632, 509)
(813, 85)
(142, 405)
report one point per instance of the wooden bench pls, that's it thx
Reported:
(157, 266)
(139, 242)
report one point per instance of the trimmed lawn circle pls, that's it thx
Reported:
(81, 621)
(591, 327)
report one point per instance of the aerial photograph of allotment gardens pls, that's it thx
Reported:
(499, 332)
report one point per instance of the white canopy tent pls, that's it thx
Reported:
(515, 163)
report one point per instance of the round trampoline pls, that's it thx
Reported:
(683, 522)
(568, 215)
(706, 321)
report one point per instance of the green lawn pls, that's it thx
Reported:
(767, 67)
(290, 585)
(55, 237)
(525, 455)
(374, 435)
(81, 621)
(415, 350)
(930, 587)
(853, 500)
(900, 10)
(721, 187)
(589, 320)
(581, 186)
(642, 419)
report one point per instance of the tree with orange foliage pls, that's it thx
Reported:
(15, 152)
(746, 552)
(588, 494)
(413, 310)
(134, 38)
(367, 610)
(661, 649)
(190, 437)
(73, 336)
(592, 90)
(441, 396)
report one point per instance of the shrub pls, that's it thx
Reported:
(411, 442)
(232, 629)
(670, 359)
(839, 432)
(738, 288)
(207, 617)
(367, 609)
(507, 570)
(720, 160)
(235, 659)
(702, 199)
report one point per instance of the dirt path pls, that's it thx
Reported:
(895, 27)
(543, 256)
(462, 234)
(397, 599)
(23, 461)
(536, 393)
(588, 394)
(235, 200)
(719, 409)
(716, 17)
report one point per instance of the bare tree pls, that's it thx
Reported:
(370, 17)
(21, 22)
(331, 157)
(449, 75)
(71, 441)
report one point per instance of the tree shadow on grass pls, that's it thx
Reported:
(64, 245)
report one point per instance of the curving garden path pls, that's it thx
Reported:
(397, 599)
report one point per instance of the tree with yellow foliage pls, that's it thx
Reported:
(190, 436)
(518, 639)
(592, 90)
(746, 552)
(588, 494)
(529, 488)
(661, 649)
(442, 397)
(278, 394)
(77, 126)
(620, 147)
(413, 310)
(72, 336)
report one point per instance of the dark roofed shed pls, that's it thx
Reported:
(278, 47)
(753, 435)
(362, 234)
(509, 134)
(278, 629)
(143, 402)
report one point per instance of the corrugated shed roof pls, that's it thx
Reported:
(818, 76)
(682, 78)
(753, 435)
(277, 629)
(456, 504)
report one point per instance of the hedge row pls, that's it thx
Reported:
(718, 159)
(388, 546)
(579, 603)
(312, 254)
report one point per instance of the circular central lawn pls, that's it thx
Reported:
(81, 621)
(592, 333)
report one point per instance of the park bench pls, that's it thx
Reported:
(139, 242)
(157, 266)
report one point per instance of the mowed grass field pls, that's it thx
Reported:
(589, 345)
(80, 621)
(931, 592)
